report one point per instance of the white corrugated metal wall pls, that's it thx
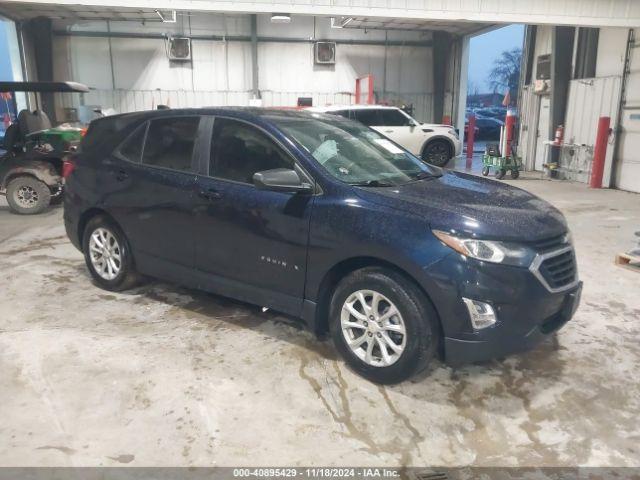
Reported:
(628, 153)
(221, 73)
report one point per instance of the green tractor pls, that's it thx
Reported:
(31, 169)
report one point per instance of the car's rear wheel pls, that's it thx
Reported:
(437, 152)
(382, 325)
(27, 195)
(107, 255)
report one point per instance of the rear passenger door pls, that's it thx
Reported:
(152, 195)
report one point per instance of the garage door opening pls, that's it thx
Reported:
(492, 83)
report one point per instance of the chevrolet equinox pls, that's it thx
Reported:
(322, 218)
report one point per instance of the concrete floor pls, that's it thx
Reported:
(169, 377)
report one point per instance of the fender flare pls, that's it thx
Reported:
(43, 171)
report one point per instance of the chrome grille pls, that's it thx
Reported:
(557, 269)
(551, 243)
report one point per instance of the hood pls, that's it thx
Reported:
(474, 206)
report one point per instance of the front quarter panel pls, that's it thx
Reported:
(344, 226)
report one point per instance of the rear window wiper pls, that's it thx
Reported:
(372, 183)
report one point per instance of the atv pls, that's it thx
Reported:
(31, 170)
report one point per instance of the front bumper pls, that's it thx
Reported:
(504, 340)
(526, 311)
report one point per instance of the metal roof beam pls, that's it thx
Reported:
(614, 13)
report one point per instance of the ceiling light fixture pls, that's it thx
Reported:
(280, 18)
(340, 22)
(165, 18)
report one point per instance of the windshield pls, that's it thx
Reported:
(354, 153)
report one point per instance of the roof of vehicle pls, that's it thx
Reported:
(333, 108)
(239, 112)
(43, 87)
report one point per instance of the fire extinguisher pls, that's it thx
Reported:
(559, 135)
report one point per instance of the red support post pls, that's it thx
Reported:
(446, 120)
(600, 152)
(509, 127)
(471, 130)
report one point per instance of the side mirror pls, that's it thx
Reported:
(281, 180)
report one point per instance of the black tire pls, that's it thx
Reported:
(500, 174)
(485, 171)
(437, 152)
(515, 174)
(126, 276)
(27, 195)
(419, 318)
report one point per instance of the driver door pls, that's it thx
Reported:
(250, 244)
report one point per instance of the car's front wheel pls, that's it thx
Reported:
(437, 152)
(382, 325)
(27, 195)
(107, 255)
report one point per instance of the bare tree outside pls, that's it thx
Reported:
(505, 73)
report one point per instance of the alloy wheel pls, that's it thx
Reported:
(373, 328)
(105, 253)
(437, 153)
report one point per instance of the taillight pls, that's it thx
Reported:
(68, 165)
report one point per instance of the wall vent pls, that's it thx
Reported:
(179, 49)
(325, 53)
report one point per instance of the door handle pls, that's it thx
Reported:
(210, 194)
(121, 175)
(388, 131)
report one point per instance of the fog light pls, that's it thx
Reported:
(481, 314)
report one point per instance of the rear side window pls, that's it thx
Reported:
(239, 150)
(131, 149)
(369, 116)
(170, 141)
(394, 118)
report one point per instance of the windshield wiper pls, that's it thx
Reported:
(372, 183)
(423, 175)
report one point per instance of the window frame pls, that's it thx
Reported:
(195, 168)
(305, 176)
(118, 150)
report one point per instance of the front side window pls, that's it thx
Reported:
(170, 143)
(395, 118)
(353, 153)
(239, 150)
(368, 116)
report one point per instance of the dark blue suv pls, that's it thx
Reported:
(324, 219)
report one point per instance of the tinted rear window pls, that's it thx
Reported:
(394, 118)
(370, 116)
(108, 132)
(169, 142)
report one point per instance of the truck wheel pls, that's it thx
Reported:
(437, 152)
(108, 255)
(485, 171)
(27, 195)
(515, 174)
(382, 325)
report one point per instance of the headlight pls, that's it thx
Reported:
(488, 250)
(453, 132)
